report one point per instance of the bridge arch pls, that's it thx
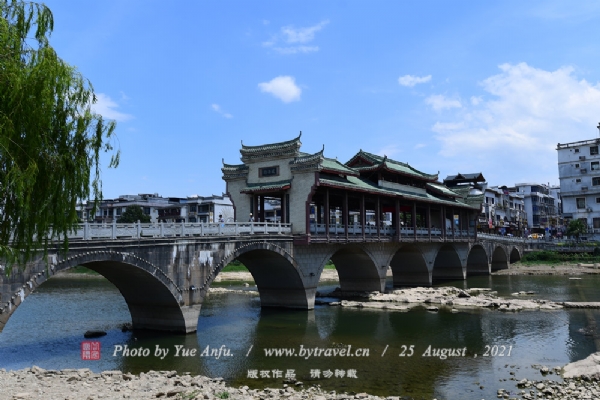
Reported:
(447, 265)
(357, 269)
(134, 277)
(276, 273)
(499, 258)
(478, 261)
(409, 267)
(515, 255)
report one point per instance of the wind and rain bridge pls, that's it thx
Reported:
(367, 215)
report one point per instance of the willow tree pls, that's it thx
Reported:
(50, 139)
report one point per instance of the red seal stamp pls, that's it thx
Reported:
(90, 350)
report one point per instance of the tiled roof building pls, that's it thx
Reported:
(368, 185)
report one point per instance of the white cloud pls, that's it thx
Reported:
(217, 108)
(526, 112)
(297, 38)
(440, 102)
(302, 35)
(411, 80)
(282, 87)
(476, 100)
(106, 107)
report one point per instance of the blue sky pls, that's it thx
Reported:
(448, 86)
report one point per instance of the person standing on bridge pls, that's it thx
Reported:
(251, 219)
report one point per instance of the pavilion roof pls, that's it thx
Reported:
(266, 186)
(289, 148)
(232, 171)
(375, 162)
(459, 178)
(358, 184)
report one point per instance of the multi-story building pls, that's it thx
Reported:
(579, 175)
(503, 212)
(208, 208)
(541, 207)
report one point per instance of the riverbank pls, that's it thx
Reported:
(581, 381)
(76, 384)
(550, 269)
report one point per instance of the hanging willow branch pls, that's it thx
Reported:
(50, 140)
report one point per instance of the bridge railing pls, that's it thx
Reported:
(355, 230)
(501, 238)
(89, 231)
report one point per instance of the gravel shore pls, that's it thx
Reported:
(83, 384)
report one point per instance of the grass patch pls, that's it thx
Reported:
(235, 266)
(329, 265)
(554, 257)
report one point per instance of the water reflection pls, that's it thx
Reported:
(47, 330)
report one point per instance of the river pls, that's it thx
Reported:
(234, 333)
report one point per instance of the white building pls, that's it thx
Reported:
(579, 174)
(166, 209)
(503, 211)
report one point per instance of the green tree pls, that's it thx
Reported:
(576, 228)
(134, 214)
(50, 139)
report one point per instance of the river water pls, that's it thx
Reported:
(47, 330)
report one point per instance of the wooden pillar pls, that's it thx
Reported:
(284, 211)
(363, 215)
(452, 222)
(414, 219)
(378, 218)
(327, 213)
(443, 217)
(262, 207)
(318, 210)
(397, 224)
(428, 220)
(345, 215)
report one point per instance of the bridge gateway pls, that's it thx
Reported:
(366, 215)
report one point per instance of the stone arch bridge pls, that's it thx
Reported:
(164, 279)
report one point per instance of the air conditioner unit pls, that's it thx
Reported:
(583, 170)
(581, 158)
(584, 188)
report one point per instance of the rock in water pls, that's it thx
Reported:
(94, 334)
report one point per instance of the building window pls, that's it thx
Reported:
(580, 202)
(118, 211)
(577, 180)
(595, 165)
(268, 171)
(598, 200)
(596, 223)
(576, 165)
(193, 209)
(593, 150)
(147, 210)
(576, 150)
(596, 181)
